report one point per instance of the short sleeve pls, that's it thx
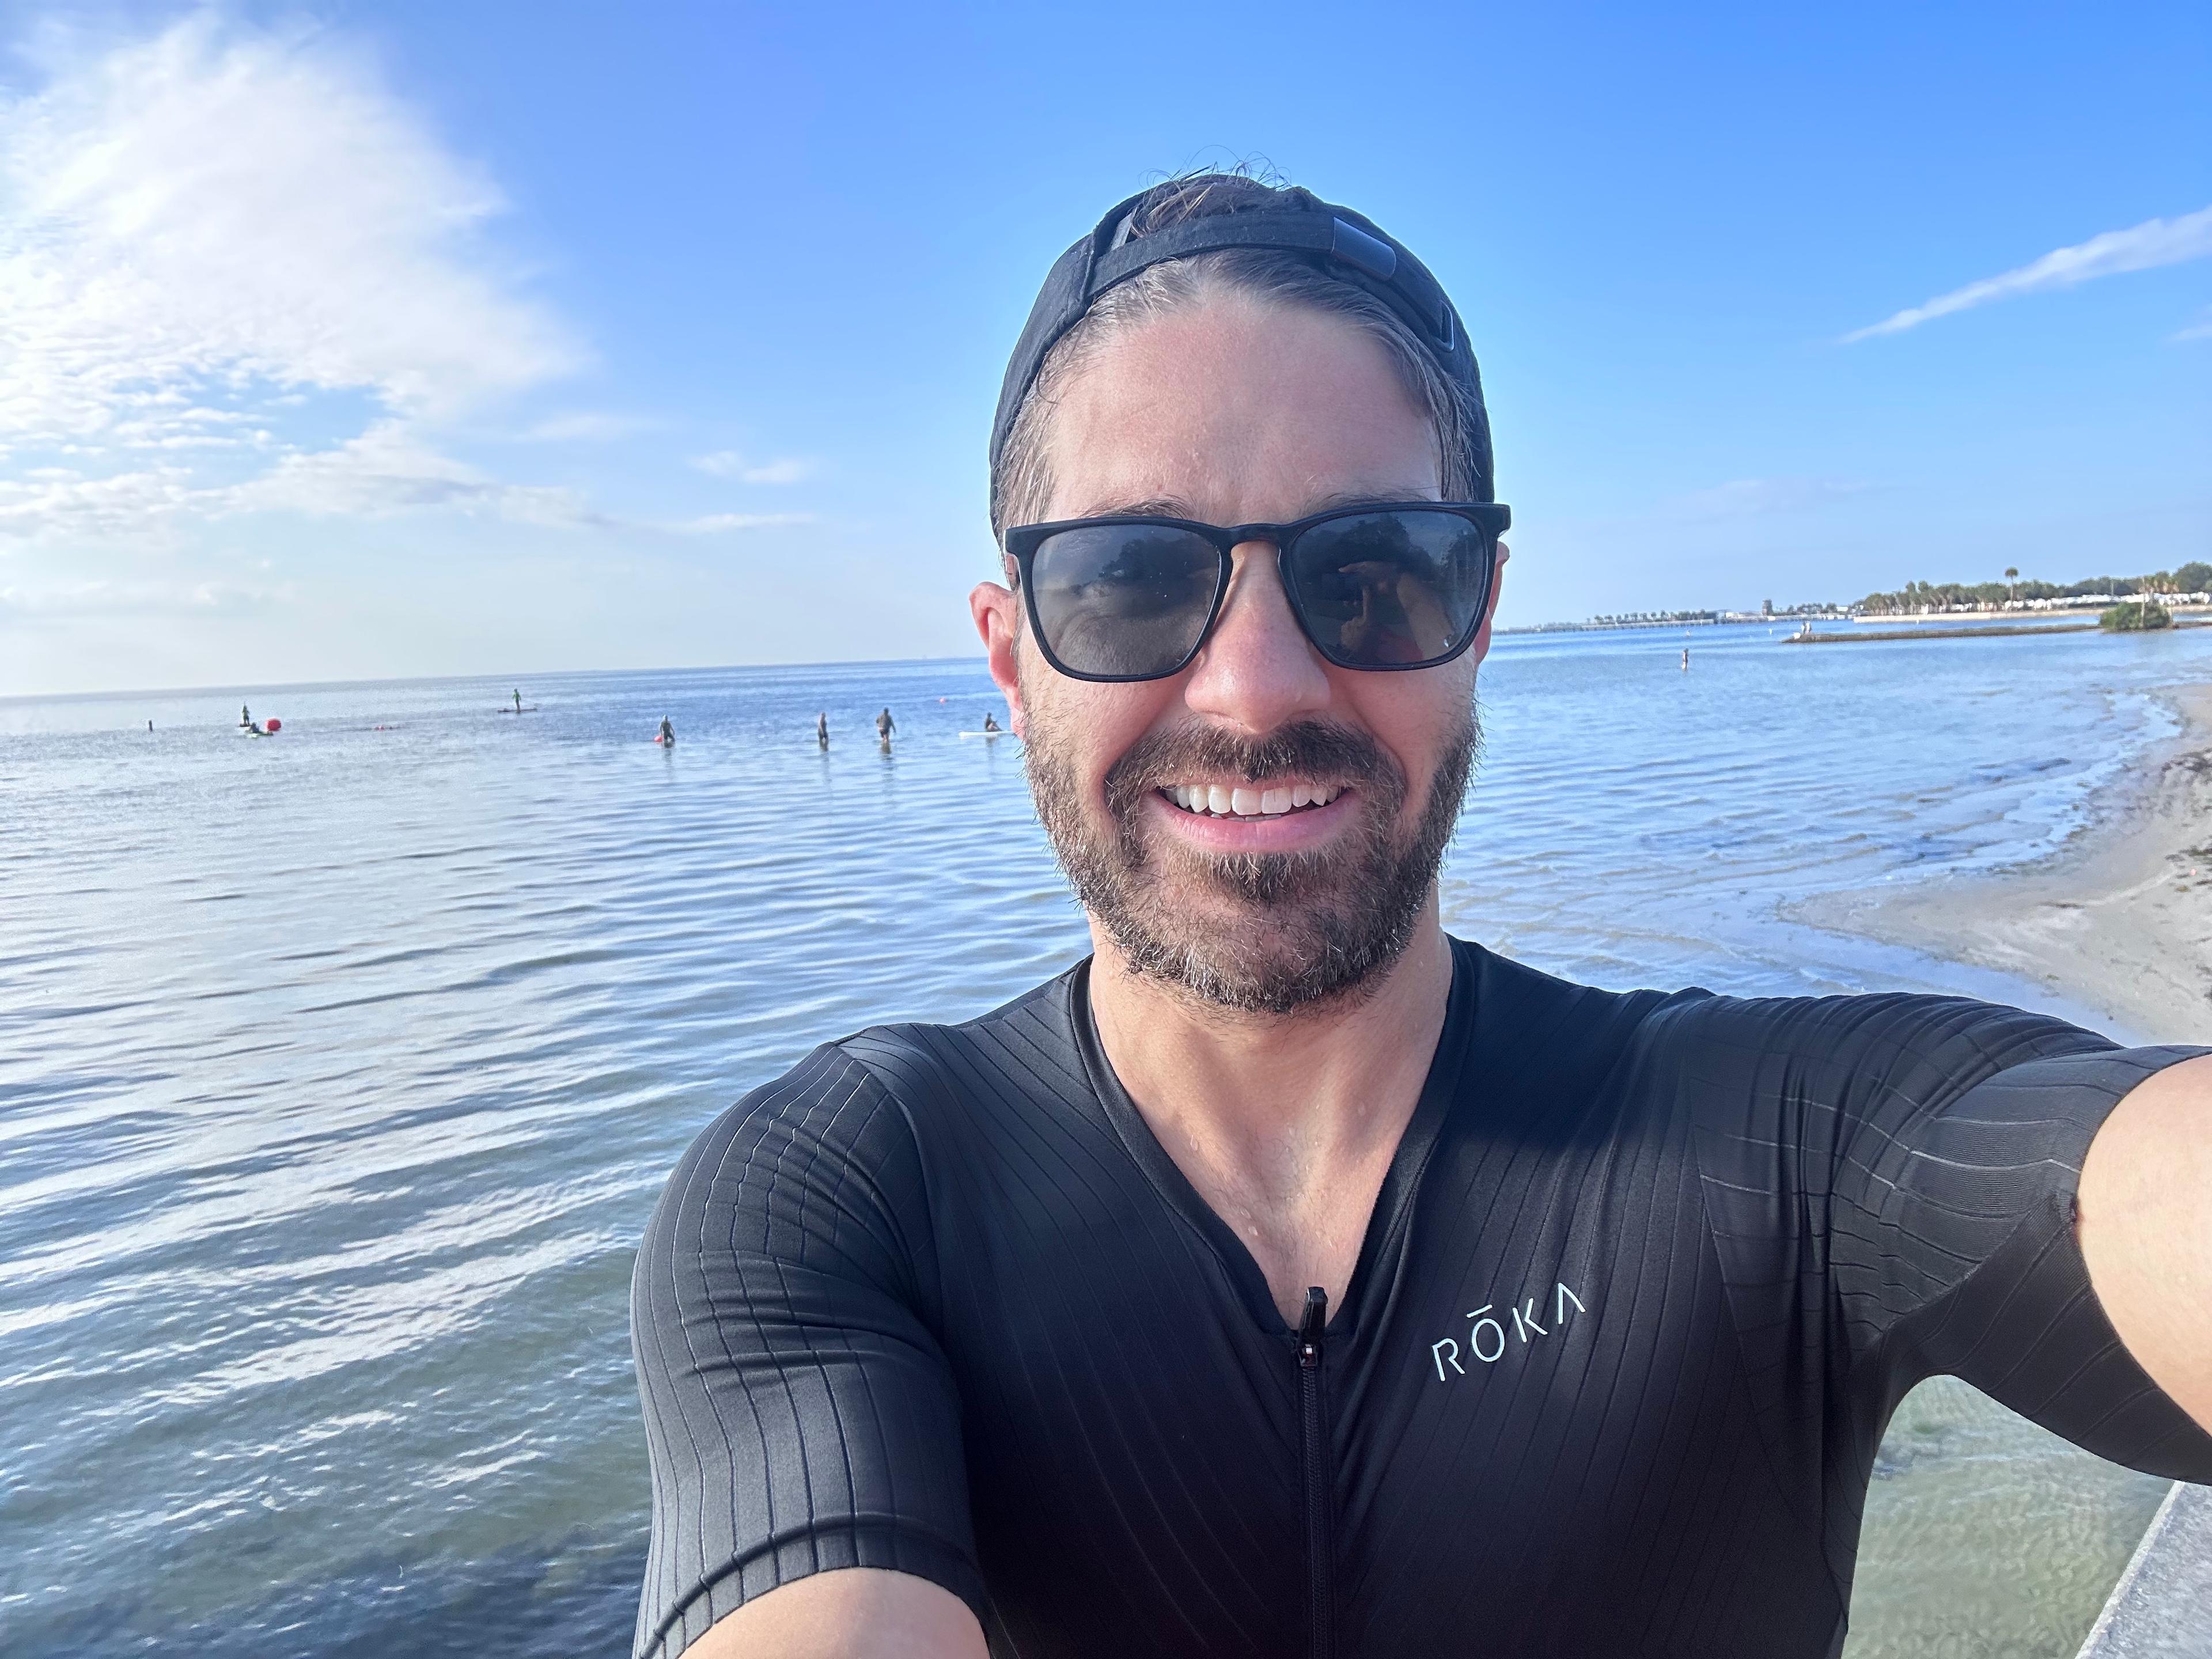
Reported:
(1971, 1265)
(1891, 1180)
(799, 1415)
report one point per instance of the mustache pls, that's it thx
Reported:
(1313, 749)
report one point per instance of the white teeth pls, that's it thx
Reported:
(1227, 801)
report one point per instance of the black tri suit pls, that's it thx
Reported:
(1642, 1288)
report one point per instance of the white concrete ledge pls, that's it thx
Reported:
(2161, 1609)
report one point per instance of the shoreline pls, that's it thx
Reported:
(2117, 919)
(1984, 631)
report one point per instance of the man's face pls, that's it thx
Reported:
(1264, 828)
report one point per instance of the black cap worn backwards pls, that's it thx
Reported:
(1344, 244)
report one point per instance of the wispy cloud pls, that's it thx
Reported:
(2143, 247)
(729, 463)
(1753, 498)
(108, 598)
(387, 471)
(717, 523)
(583, 427)
(2199, 330)
(202, 230)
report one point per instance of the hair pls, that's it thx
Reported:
(1021, 482)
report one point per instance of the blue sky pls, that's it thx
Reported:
(390, 339)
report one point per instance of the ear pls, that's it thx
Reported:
(997, 614)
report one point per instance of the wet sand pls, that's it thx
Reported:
(2118, 920)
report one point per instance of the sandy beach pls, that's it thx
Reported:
(2118, 920)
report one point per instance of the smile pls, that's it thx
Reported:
(1249, 801)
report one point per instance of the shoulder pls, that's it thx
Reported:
(1865, 1100)
(1537, 1031)
(1885, 1052)
(1026, 1050)
(854, 1127)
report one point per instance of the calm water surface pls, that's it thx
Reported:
(338, 1072)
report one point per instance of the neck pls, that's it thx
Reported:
(1286, 1124)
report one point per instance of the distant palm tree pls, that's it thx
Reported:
(2011, 574)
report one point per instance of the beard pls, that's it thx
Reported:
(1257, 932)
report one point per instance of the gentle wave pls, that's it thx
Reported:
(339, 1070)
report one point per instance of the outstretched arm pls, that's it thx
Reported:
(809, 1492)
(2146, 1229)
(858, 1613)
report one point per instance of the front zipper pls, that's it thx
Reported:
(1313, 1435)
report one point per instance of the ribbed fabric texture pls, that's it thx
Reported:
(1645, 1282)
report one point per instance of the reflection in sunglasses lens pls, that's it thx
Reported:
(1380, 590)
(1123, 599)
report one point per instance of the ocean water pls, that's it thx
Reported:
(338, 1072)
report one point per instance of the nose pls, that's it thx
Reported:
(1258, 672)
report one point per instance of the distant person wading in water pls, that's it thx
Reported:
(1287, 1279)
(885, 727)
(667, 731)
(822, 729)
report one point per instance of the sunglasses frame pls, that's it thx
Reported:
(1022, 542)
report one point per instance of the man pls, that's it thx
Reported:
(885, 727)
(1289, 1278)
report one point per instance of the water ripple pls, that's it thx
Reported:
(338, 1072)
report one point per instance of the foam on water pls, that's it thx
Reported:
(339, 1070)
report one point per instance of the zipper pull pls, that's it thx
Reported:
(1311, 1328)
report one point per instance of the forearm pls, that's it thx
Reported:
(2146, 1229)
(857, 1613)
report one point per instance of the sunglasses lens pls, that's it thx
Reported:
(1123, 600)
(1391, 589)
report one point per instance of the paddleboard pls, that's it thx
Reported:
(986, 734)
(511, 709)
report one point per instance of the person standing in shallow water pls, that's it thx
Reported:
(885, 727)
(1289, 1277)
(821, 728)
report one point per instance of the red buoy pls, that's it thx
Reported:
(275, 725)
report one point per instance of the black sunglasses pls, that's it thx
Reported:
(1131, 597)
